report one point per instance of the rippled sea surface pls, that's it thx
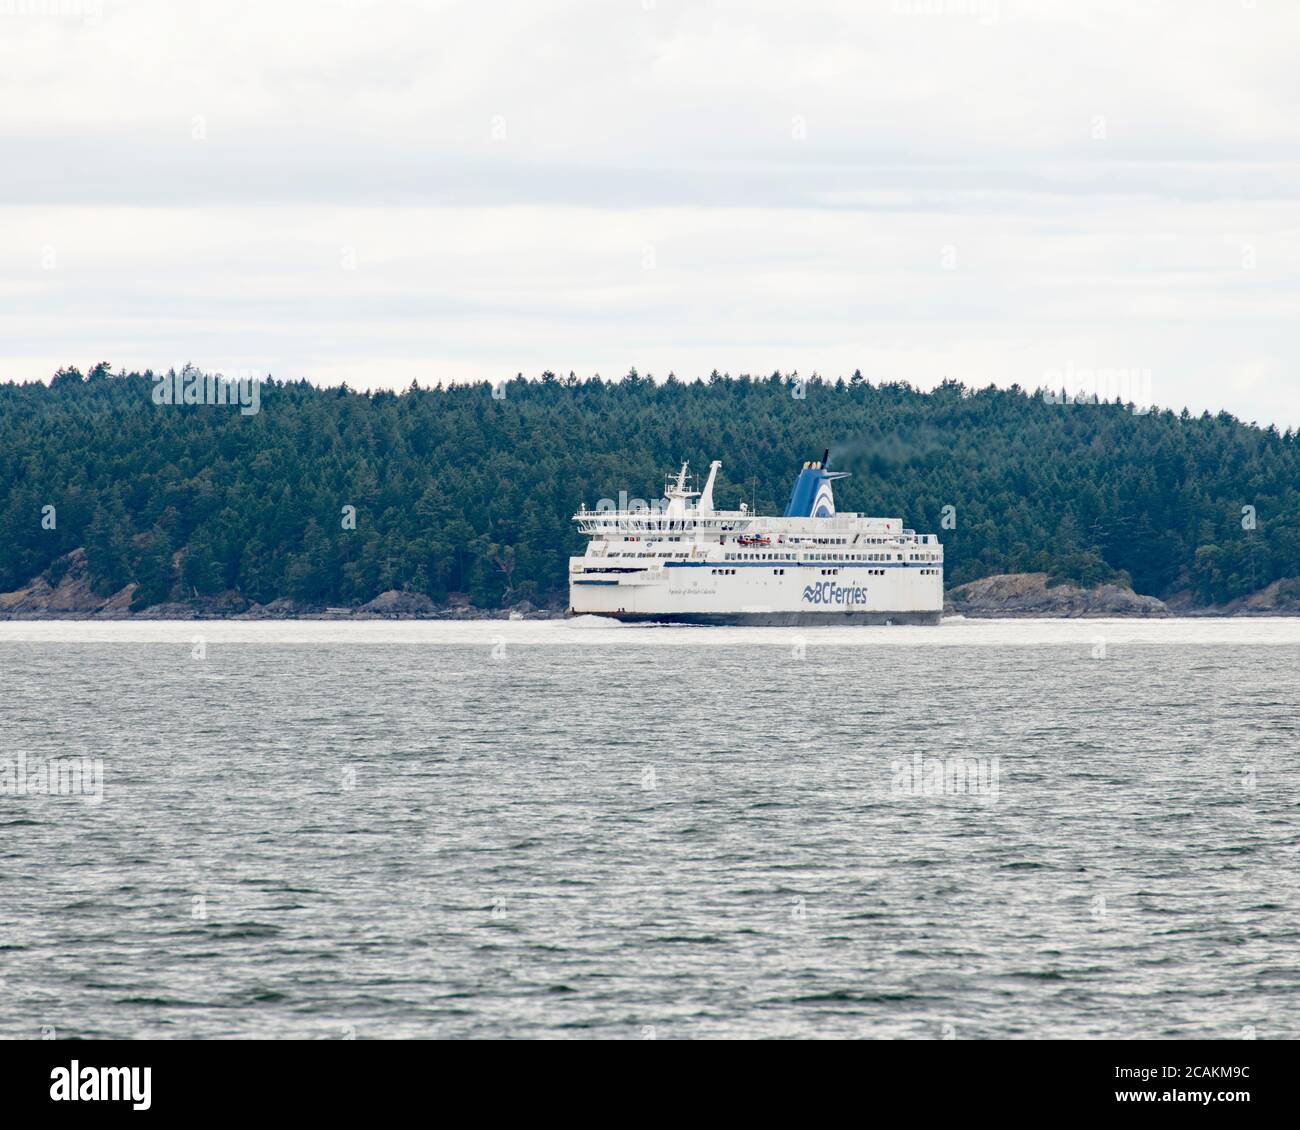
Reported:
(564, 829)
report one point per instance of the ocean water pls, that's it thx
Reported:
(569, 829)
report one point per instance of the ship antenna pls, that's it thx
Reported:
(826, 458)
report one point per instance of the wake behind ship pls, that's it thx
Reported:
(687, 563)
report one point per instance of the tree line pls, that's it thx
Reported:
(469, 489)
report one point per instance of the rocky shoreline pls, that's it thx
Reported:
(74, 599)
(1030, 595)
(1005, 596)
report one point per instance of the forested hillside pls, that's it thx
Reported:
(459, 492)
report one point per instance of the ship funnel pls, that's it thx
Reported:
(812, 496)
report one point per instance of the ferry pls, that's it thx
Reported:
(681, 561)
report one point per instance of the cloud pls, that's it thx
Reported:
(365, 191)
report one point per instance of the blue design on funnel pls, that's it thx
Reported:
(812, 496)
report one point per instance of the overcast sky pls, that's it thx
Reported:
(989, 190)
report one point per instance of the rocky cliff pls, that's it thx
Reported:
(72, 597)
(1028, 594)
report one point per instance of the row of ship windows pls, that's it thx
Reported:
(776, 556)
(930, 572)
(860, 541)
(655, 535)
(842, 541)
(895, 540)
(791, 556)
(824, 572)
(829, 557)
(820, 557)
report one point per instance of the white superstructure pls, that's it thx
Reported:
(684, 562)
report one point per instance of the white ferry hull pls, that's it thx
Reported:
(769, 619)
(785, 594)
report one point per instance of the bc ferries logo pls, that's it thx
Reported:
(828, 592)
